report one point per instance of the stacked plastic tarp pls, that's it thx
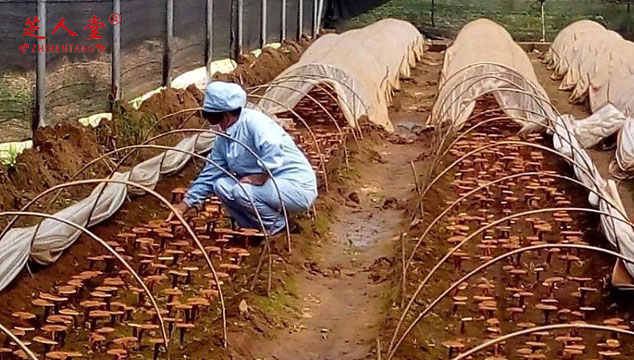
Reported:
(362, 66)
(484, 59)
(598, 64)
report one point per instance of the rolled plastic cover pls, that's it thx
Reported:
(484, 59)
(357, 66)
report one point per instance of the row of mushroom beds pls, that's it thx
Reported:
(511, 214)
(159, 279)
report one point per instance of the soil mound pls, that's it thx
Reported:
(58, 153)
(253, 70)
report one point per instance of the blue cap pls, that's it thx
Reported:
(222, 97)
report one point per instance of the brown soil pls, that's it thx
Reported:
(130, 127)
(59, 152)
(253, 71)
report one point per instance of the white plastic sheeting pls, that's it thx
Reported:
(363, 67)
(606, 122)
(598, 64)
(618, 233)
(559, 54)
(485, 59)
(623, 164)
(54, 237)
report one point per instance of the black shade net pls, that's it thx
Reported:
(17, 71)
(78, 73)
(273, 21)
(292, 19)
(223, 20)
(143, 37)
(190, 35)
(307, 16)
(252, 17)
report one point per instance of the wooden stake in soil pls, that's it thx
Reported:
(418, 190)
(404, 272)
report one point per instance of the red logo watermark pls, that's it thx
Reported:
(95, 24)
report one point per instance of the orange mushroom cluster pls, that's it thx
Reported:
(101, 312)
(105, 303)
(530, 289)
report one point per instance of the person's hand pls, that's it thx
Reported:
(180, 209)
(255, 179)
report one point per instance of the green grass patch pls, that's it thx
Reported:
(16, 99)
(521, 17)
(281, 301)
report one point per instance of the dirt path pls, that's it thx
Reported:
(340, 299)
(342, 294)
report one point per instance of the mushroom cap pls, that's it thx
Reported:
(610, 353)
(43, 340)
(23, 315)
(149, 326)
(117, 352)
(613, 321)
(178, 273)
(106, 289)
(549, 301)
(54, 328)
(185, 326)
(155, 278)
(98, 314)
(89, 304)
(62, 355)
(67, 290)
(230, 266)
(546, 307)
(453, 344)
(157, 341)
(198, 301)
(42, 303)
(59, 319)
(105, 330)
(172, 292)
(613, 343)
(21, 354)
(125, 340)
(18, 332)
(25, 329)
(100, 294)
(94, 337)
(183, 306)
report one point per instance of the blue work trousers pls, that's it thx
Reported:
(236, 197)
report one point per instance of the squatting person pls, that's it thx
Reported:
(225, 106)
